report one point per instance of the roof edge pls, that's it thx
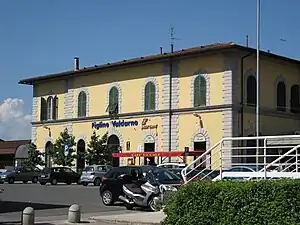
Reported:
(152, 58)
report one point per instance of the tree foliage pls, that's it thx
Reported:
(58, 151)
(97, 151)
(35, 157)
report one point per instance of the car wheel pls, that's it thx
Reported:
(11, 180)
(69, 183)
(53, 181)
(25, 181)
(107, 197)
(85, 184)
(97, 182)
(42, 183)
(34, 180)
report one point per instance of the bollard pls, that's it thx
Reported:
(28, 216)
(74, 215)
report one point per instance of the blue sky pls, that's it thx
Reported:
(42, 37)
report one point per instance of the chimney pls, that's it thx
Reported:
(161, 50)
(76, 64)
(247, 41)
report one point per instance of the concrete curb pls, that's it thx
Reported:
(124, 222)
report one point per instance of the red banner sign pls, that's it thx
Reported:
(156, 154)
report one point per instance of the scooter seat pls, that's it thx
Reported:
(134, 188)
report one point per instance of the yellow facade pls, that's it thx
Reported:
(220, 116)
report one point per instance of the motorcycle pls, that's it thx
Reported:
(147, 192)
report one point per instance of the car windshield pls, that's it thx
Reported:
(163, 175)
(88, 169)
(46, 170)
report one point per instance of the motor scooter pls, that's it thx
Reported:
(147, 192)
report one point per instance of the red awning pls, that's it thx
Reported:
(156, 154)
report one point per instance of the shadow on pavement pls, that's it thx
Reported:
(9, 206)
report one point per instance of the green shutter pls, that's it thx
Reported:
(199, 91)
(43, 115)
(55, 108)
(149, 96)
(114, 100)
(81, 104)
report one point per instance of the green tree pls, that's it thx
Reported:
(97, 151)
(58, 150)
(34, 157)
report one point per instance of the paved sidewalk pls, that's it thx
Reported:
(137, 218)
(142, 218)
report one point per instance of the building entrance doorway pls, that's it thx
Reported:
(80, 155)
(200, 146)
(113, 144)
(149, 146)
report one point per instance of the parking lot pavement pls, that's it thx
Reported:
(51, 201)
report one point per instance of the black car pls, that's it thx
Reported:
(112, 187)
(197, 174)
(56, 175)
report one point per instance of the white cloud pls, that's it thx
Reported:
(14, 123)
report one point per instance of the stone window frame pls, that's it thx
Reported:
(85, 90)
(192, 87)
(118, 86)
(52, 96)
(154, 81)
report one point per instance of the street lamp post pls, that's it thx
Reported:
(257, 81)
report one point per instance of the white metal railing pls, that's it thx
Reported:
(274, 153)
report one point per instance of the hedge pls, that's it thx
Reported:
(235, 203)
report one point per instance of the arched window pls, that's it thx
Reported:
(251, 91)
(149, 96)
(113, 101)
(43, 113)
(81, 104)
(295, 98)
(199, 91)
(281, 96)
(49, 107)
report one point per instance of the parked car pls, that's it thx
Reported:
(200, 173)
(111, 186)
(93, 174)
(60, 174)
(21, 173)
(172, 165)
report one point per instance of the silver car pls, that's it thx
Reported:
(93, 174)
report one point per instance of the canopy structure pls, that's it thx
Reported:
(157, 154)
(160, 155)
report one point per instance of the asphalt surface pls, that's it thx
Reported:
(51, 202)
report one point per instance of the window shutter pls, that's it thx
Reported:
(152, 96)
(114, 100)
(149, 96)
(202, 91)
(281, 97)
(55, 108)
(43, 111)
(81, 104)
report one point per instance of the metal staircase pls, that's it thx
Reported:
(267, 157)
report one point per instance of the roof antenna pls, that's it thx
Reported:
(172, 38)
